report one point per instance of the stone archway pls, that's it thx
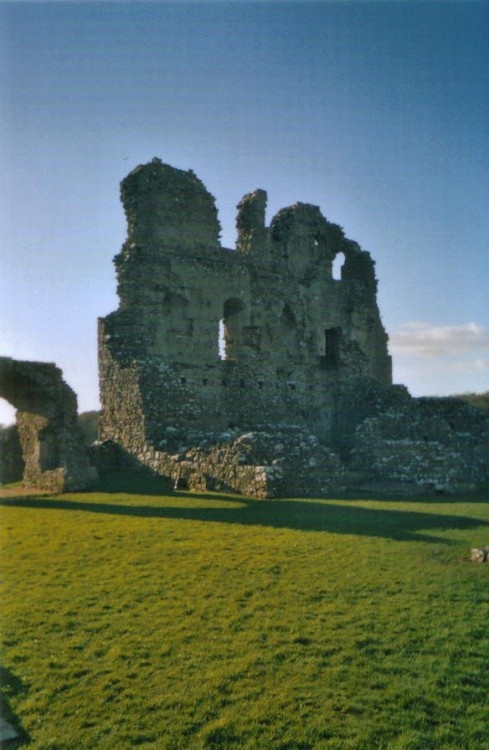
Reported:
(55, 457)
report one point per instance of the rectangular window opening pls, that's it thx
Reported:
(332, 337)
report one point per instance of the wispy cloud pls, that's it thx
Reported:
(425, 340)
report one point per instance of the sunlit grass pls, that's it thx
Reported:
(181, 621)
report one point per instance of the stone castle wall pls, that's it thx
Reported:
(211, 338)
(260, 340)
(440, 443)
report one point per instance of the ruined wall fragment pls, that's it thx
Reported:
(164, 204)
(439, 443)
(54, 455)
(253, 235)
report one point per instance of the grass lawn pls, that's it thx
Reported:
(137, 618)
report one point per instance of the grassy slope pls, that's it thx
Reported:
(145, 620)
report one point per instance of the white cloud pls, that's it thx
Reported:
(425, 340)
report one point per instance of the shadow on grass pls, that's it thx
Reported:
(10, 685)
(140, 482)
(301, 515)
(399, 492)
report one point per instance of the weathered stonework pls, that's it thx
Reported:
(260, 345)
(290, 333)
(54, 456)
(261, 464)
(434, 442)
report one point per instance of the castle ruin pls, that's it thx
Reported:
(250, 370)
(253, 369)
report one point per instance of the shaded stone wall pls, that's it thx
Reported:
(52, 445)
(260, 464)
(439, 443)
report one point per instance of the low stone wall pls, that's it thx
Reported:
(436, 443)
(290, 461)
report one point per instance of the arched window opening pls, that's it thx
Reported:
(338, 264)
(231, 329)
(11, 457)
(7, 413)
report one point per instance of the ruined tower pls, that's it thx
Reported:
(207, 339)
(255, 370)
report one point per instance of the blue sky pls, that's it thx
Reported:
(376, 112)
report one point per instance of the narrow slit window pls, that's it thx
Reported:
(222, 339)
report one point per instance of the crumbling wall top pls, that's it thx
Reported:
(35, 387)
(303, 240)
(250, 223)
(165, 204)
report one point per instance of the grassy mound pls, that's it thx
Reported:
(133, 618)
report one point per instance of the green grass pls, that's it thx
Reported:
(132, 618)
